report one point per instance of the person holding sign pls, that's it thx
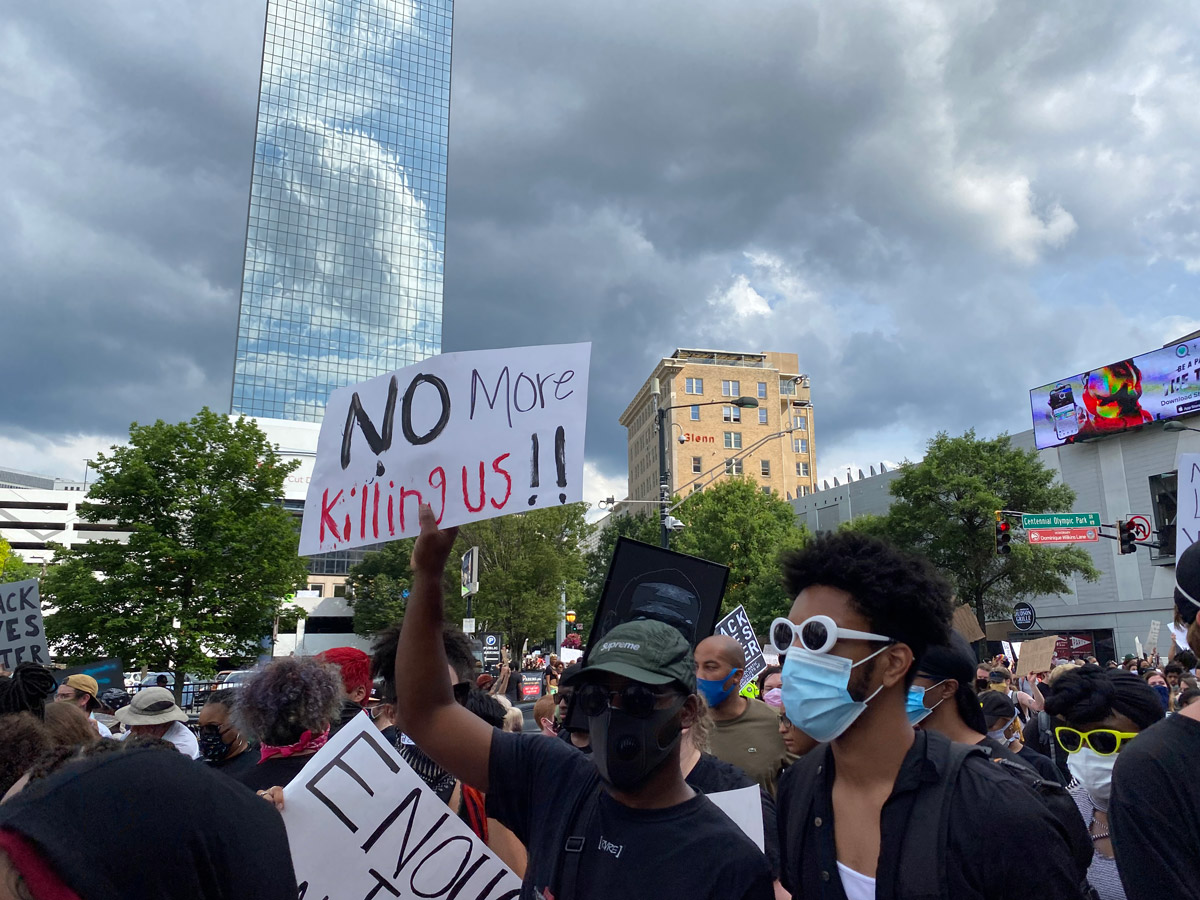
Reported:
(627, 825)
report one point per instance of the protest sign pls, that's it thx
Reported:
(966, 624)
(744, 806)
(1036, 656)
(1187, 511)
(1152, 637)
(22, 635)
(648, 582)
(475, 435)
(107, 672)
(737, 626)
(361, 823)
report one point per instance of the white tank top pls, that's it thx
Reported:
(856, 885)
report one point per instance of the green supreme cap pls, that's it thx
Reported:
(647, 651)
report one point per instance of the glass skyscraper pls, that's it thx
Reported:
(343, 268)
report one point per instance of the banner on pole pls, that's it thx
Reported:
(475, 435)
(22, 634)
(361, 823)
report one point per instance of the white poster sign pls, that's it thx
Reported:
(22, 635)
(1187, 514)
(1152, 637)
(475, 435)
(361, 823)
(737, 626)
(744, 806)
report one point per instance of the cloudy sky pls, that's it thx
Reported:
(936, 205)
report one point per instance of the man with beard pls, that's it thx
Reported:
(626, 824)
(1154, 810)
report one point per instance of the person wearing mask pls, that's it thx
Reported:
(355, 668)
(769, 679)
(381, 707)
(153, 713)
(57, 834)
(1156, 781)
(544, 716)
(885, 809)
(1158, 681)
(624, 822)
(746, 732)
(982, 680)
(1004, 727)
(287, 708)
(1098, 715)
(1001, 681)
(222, 746)
(82, 690)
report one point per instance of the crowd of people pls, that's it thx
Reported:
(887, 760)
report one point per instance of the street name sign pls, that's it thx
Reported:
(1060, 520)
(1062, 535)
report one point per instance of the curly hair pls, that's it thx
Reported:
(1091, 694)
(703, 727)
(287, 698)
(22, 740)
(459, 652)
(900, 594)
(26, 690)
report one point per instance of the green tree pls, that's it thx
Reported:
(211, 552)
(12, 567)
(376, 586)
(945, 509)
(640, 526)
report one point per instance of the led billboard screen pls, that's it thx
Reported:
(1161, 384)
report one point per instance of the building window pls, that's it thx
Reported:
(319, 588)
(696, 488)
(697, 465)
(731, 389)
(800, 423)
(733, 467)
(731, 414)
(767, 489)
(799, 445)
(695, 413)
(762, 416)
(693, 386)
(733, 440)
(803, 445)
(787, 387)
(765, 465)
(339, 590)
(762, 390)
(803, 467)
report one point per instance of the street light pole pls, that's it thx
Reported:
(664, 488)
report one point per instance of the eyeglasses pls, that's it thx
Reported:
(637, 700)
(817, 634)
(1105, 741)
(784, 720)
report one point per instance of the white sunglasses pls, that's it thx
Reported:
(817, 634)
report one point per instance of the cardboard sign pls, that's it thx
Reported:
(744, 806)
(361, 823)
(737, 626)
(1187, 515)
(965, 623)
(1152, 637)
(108, 673)
(1036, 656)
(22, 635)
(475, 435)
(647, 582)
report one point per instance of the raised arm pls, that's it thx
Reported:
(458, 740)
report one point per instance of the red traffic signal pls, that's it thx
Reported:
(1003, 535)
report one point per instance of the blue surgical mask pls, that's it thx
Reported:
(714, 691)
(815, 692)
(915, 703)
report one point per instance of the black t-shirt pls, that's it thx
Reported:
(278, 770)
(1154, 812)
(691, 850)
(712, 776)
(237, 766)
(983, 795)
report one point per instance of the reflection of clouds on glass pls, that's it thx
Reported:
(343, 270)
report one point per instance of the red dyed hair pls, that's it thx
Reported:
(354, 665)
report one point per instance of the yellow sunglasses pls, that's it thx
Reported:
(1105, 741)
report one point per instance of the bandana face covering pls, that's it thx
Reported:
(308, 741)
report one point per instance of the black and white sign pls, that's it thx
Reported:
(491, 651)
(737, 626)
(22, 636)
(1023, 616)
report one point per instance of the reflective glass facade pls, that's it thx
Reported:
(344, 245)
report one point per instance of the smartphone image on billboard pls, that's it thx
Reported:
(1064, 411)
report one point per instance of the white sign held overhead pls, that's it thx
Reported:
(22, 635)
(1187, 516)
(475, 435)
(361, 823)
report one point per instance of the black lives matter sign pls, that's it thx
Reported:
(22, 634)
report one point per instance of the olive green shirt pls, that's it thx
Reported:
(752, 742)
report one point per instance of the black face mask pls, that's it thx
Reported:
(981, 684)
(626, 750)
(212, 748)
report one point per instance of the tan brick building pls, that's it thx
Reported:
(772, 444)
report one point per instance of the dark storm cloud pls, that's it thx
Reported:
(936, 206)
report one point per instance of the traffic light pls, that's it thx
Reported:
(1003, 535)
(1125, 537)
(571, 620)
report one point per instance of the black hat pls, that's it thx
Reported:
(954, 659)
(996, 706)
(1187, 583)
(644, 650)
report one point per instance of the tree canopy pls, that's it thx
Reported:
(211, 552)
(945, 509)
(13, 567)
(377, 586)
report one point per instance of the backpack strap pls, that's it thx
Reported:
(919, 877)
(583, 811)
